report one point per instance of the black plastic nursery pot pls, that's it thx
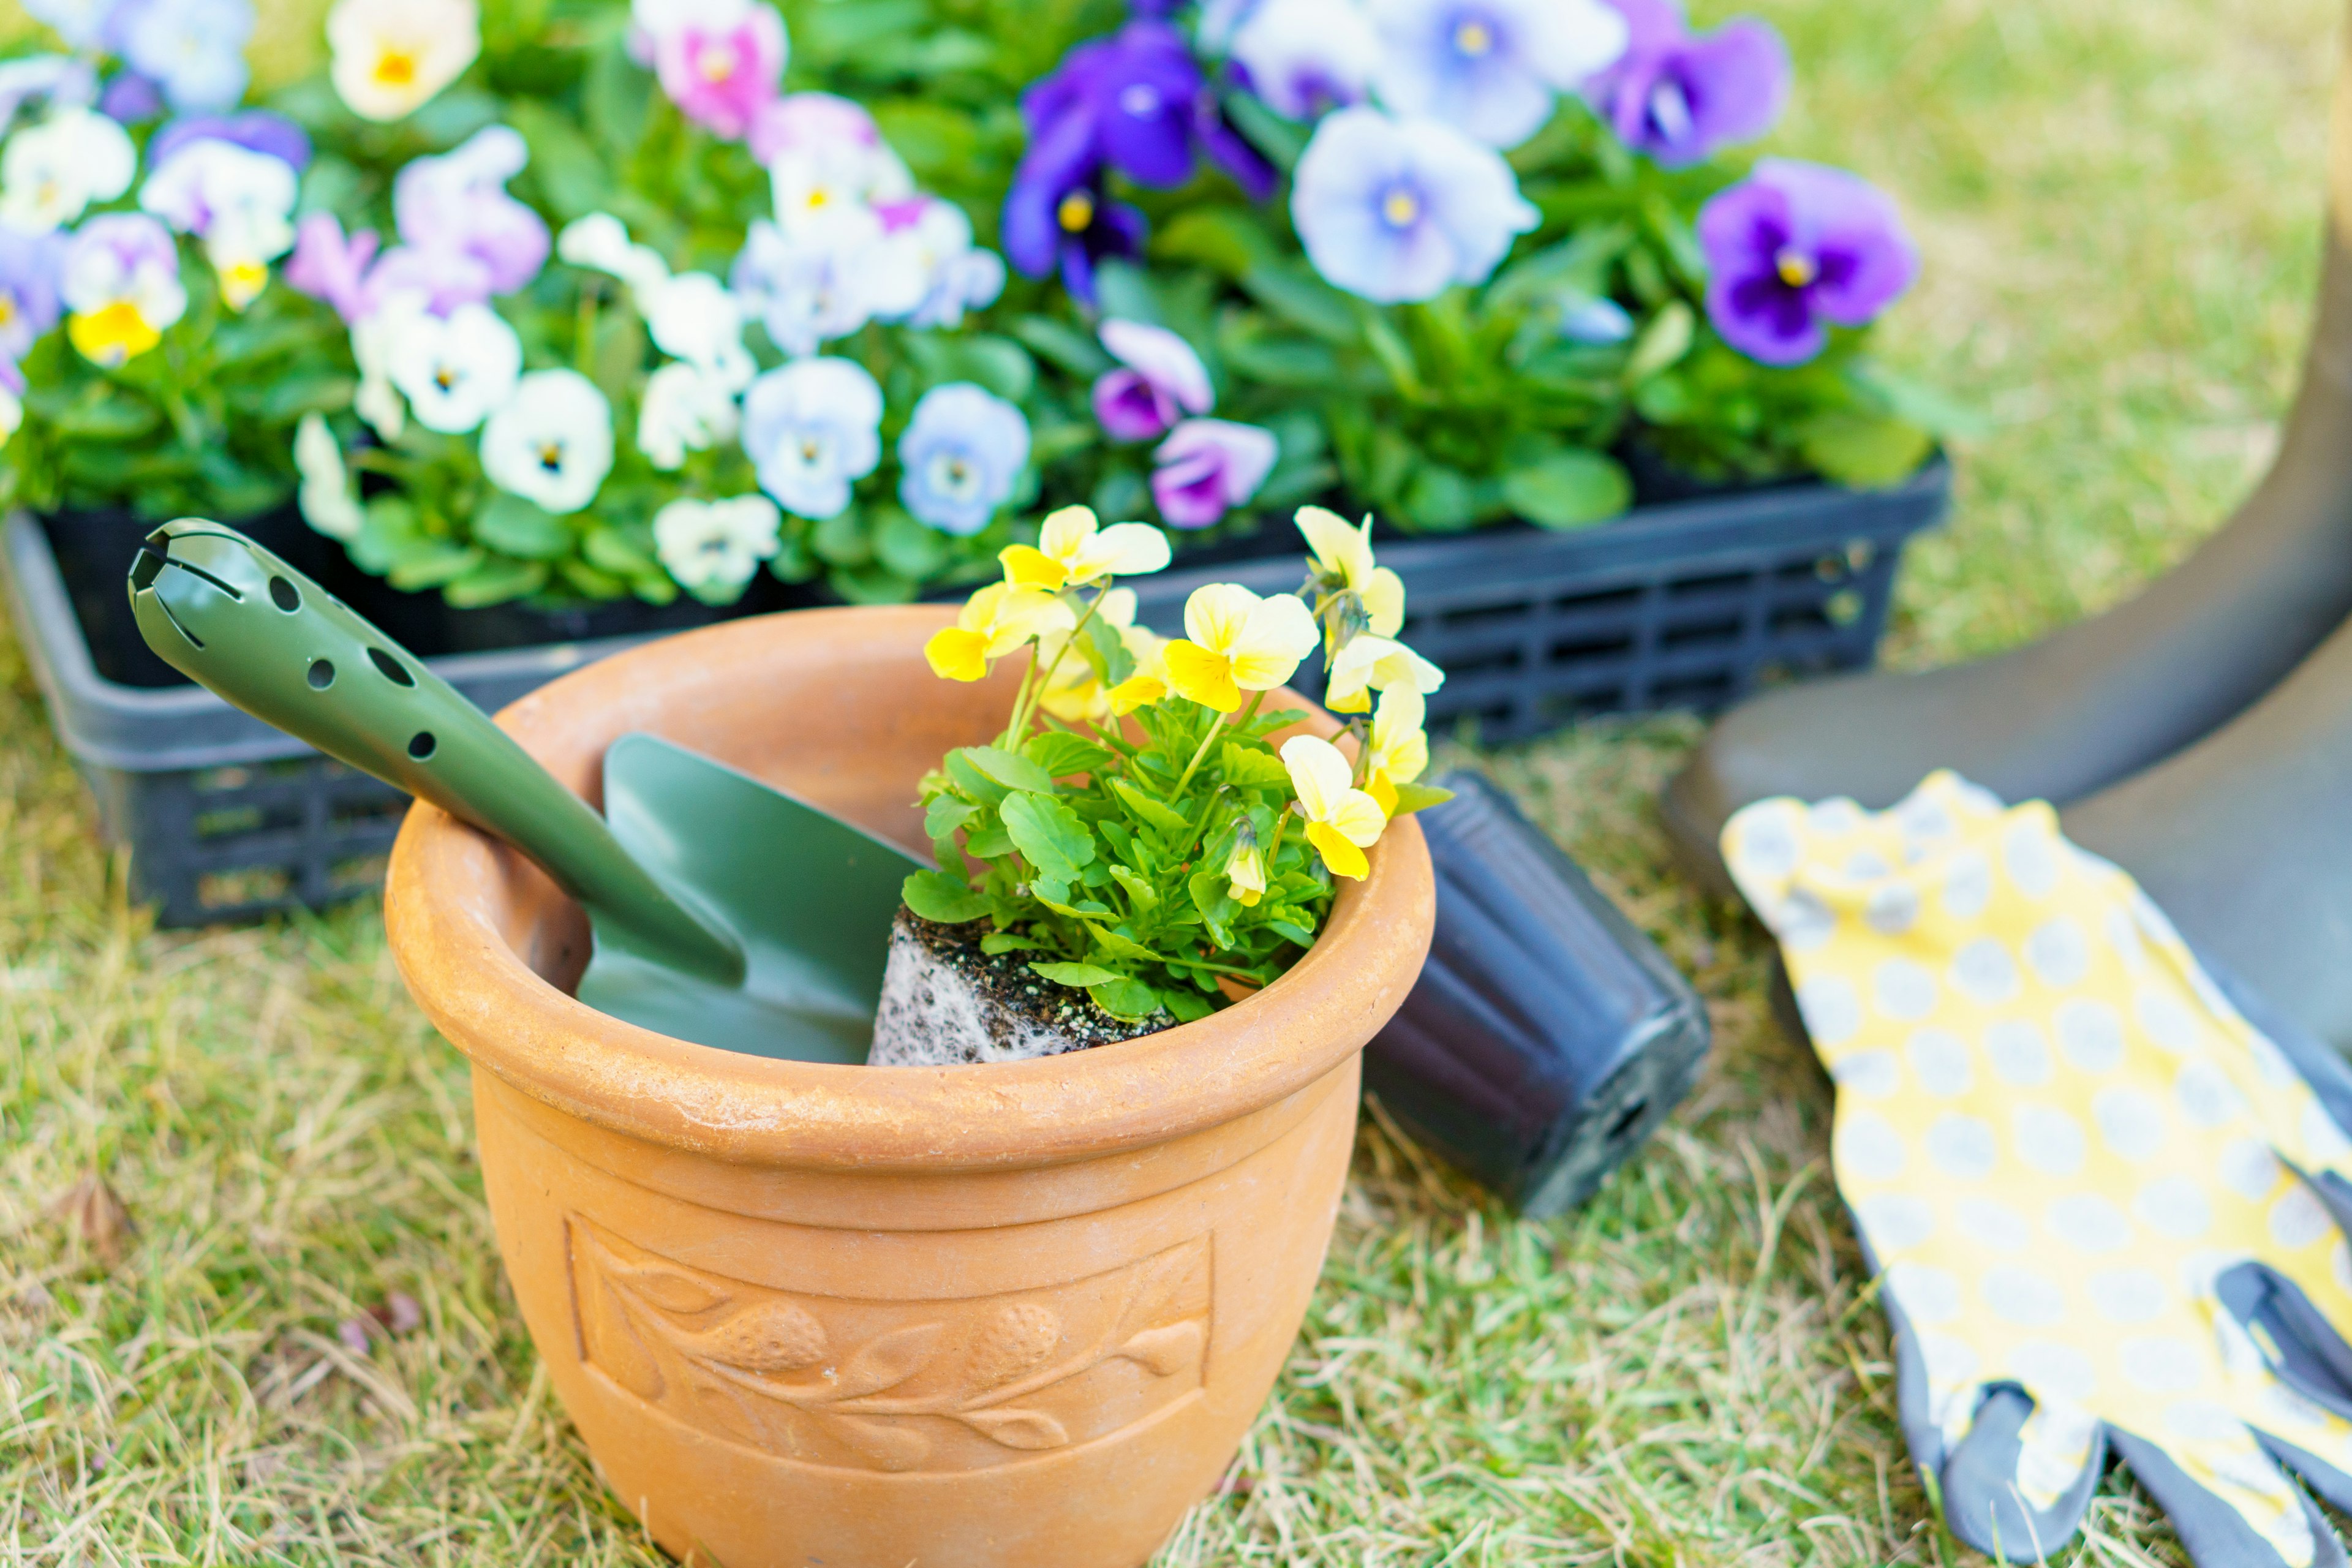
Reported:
(1688, 604)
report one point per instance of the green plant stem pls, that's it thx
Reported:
(1186, 776)
(584, 338)
(1274, 851)
(1022, 711)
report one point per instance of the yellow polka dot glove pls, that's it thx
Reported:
(2105, 1204)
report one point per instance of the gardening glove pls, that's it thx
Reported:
(2104, 1202)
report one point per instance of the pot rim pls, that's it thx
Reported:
(450, 883)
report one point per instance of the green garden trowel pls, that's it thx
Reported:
(725, 912)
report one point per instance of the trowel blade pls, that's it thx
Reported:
(810, 897)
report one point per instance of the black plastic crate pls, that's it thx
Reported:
(1689, 604)
(227, 818)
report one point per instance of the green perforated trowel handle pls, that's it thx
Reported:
(242, 623)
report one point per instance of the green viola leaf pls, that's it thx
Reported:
(1148, 810)
(998, 941)
(945, 815)
(1415, 798)
(966, 775)
(1189, 1006)
(841, 540)
(991, 843)
(1292, 930)
(1146, 896)
(1223, 238)
(1072, 349)
(997, 364)
(935, 896)
(1076, 975)
(1062, 755)
(1118, 946)
(1569, 489)
(494, 581)
(1661, 343)
(1131, 1000)
(1010, 768)
(1251, 767)
(906, 546)
(513, 526)
(1049, 835)
(1864, 451)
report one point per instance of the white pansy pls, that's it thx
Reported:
(601, 242)
(821, 180)
(811, 288)
(684, 410)
(692, 317)
(922, 268)
(12, 414)
(811, 429)
(552, 441)
(392, 56)
(377, 401)
(50, 173)
(454, 370)
(326, 497)
(240, 203)
(713, 547)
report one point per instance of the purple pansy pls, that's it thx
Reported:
(256, 131)
(1492, 68)
(457, 203)
(327, 265)
(1398, 210)
(1058, 217)
(1680, 97)
(29, 265)
(131, 99)
(1207, 468)
(1796, 245)
(1159, 380)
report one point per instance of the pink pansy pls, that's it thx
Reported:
(1160, 381)
(1207, 468)
(722, 70)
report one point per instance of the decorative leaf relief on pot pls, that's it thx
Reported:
(893, 1386)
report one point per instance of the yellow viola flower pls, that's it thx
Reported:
(1074, 691)
(1147, 685)
(1399, 751)
(1245, 868)
(1369, 664)
(1071, 550)
(1235, 642)
(1342, 560)
(994, 622)
(1342, 821)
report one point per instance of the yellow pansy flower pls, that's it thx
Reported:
(1369, 664)
(994, 622)
(1235, 642)
(1070, 551)
(1074, 691)
(1399, 752)
(1342, 562)
(1342, 821)
(1245, 868)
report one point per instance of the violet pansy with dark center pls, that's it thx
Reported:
(1679, 97)
(1797, 248)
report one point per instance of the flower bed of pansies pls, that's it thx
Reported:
(551, 301)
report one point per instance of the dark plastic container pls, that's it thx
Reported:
(1548, 1036)
(1691, 603)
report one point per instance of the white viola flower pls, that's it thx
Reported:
(684, 410)
(12, 414)
(825, 159)
(713, 547)
(692, 317)
(812, 429)
(809, 289)
(120, 279)
(328, 503)
(377, 400)
(601, 242)
(50, 173)
(1492, 68)
(1306, 58)
(455, 369)
(392, 57)
(552, 441)
(924, 269)
(1397, 210)
(961, 456)
(239, 202)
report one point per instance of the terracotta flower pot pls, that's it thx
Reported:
(1013, 1314)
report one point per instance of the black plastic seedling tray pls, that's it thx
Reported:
(1691, 603)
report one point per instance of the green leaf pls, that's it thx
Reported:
(289, 400)
(1062, 755)
(1149, 811)
(1662, 343)
(971, 780)
(935, 896)
(1052, 836)
(1863, 451)
(424, 564)
(998, 941)
(841, 540)
(1569, 489)
(997, 364)
(1292, 291)
(1118, 946)
(1225, 239)
(870, 584)
(989, 843)
(1188, 1005)
(1251, 767)
(1441, 499)
(1064, 345)
(1291, 930)
(102, 416)
(513, 526)
(906, 546)
(1078, 975)
(1010, 768)
(945, 815)
(1282, 140)
(495, 580)
(565, 166)
(1146, 896)
(1122, 998)
(1413, 797)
